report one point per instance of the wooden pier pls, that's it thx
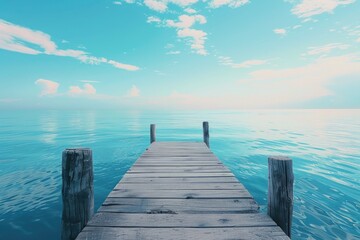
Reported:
(180, 190)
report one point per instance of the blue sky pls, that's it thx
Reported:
(179, 54)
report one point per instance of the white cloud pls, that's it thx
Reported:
(162, 5)
(190, 10)
(87, 89)
(230, 3)
(280, 31)
(325, 49)
(250, 63)
(159, 5)
(299, 84)
(197, 39)
(173, 52)
(296, 27)
(186, 21)
(134, 91)
(20, 39)
(273, 88)
(48, 87)
(227, 61)
(152, 19)
(308, 8)
(353, 31)
(117, 3)
(123, 66)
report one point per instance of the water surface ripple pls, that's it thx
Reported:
(324, 145)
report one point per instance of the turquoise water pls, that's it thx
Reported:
(324, 145)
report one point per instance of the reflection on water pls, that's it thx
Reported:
(324, 145)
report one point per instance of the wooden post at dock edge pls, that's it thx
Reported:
(280, 192)
(77, 191)
(206, 133)
(152, 133)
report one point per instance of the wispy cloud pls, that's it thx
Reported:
(308, 8)
(230, 3)
(299, 84)
(196, 39)
(186, 21)
(353, 31)
(48, 87)
(134, 91)
(173, 52)
(325, 49)
(272, 88)
(24, 40)
(190, 10)
(87, 89)
(117, 2)
(227, 61)
(152, 19)
(162, 5)
(159, 6)
(280, 31)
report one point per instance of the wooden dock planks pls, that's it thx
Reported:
(180, 190)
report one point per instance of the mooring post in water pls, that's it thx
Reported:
(206, 133)
(77, 191)
(280, 192)
(152, 133)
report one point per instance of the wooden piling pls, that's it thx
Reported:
(77, 191)
(206, 133)
(280, 192)
(152, 133)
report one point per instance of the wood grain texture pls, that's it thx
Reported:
(105, 233)
(176, 206)
(280, 192)
(77, 191)
(180, 190)
(108, 219)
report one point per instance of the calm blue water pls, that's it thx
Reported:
(324, 144)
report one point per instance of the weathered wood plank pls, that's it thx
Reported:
(166, 170)
(256, 233)
(183, 162)
(177, 162)
(179, 168)
(175, 158)
(178, 186)
(193, 206)
(128, 179)
(177, 175)
(180, 193)
(174, 164)
(107, 219)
